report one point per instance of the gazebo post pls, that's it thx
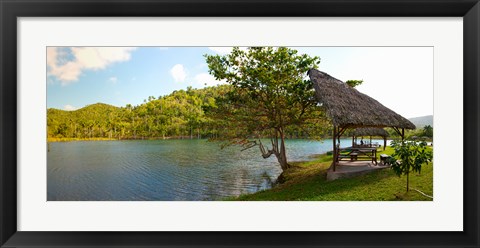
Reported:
(353, 140)
(403, 134)
(339, 134)
(334, 147)
(370, 140)
(384, 142)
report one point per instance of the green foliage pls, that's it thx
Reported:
(354, 83)
(181, 114)
(428, 131)
(270, 96)
(415, 134)
(306, 181)
(409, 156)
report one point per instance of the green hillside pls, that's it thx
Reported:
(187, 113)
(182, 113)
(422, 121)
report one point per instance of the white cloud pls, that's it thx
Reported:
(69, 107)
(66, 73)
(178, 73)
(113, 80)
(68, 64)
(99, 57)
(206, 79)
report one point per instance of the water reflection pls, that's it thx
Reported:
(171, 170)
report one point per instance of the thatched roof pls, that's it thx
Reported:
(347, 107)
(370, 131)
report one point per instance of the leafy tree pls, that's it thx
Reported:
(354, 83)
(269, 93)
(409, 156)
(428, 131)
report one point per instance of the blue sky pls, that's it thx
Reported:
(401, 78)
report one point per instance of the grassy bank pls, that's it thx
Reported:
(50, 139)
(306, 181)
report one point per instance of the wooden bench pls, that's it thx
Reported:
(383, 158)
(343, 156)
(353, 156)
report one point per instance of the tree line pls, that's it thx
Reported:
(180, 114)
(184, 114)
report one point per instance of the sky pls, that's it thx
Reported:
(401, 78)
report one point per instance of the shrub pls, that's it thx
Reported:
(409, 156)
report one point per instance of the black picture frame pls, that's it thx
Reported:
(10, 10)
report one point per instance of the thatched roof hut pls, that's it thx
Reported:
(370, 131)
(347, 107)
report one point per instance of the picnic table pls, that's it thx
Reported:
(357, 153)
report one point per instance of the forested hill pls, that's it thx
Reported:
(93, 111)
(422, 121)
(180, 114)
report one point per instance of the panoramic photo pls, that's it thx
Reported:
(239, 123)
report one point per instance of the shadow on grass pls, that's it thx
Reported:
(382, 185)
(306, 181)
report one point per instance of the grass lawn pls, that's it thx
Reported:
(306, 181)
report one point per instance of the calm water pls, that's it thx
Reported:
(185, 170)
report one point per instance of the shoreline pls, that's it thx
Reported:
(123, 139)
(306, 181)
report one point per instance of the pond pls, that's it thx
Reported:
(163, 170)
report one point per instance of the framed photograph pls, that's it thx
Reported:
(223, 123)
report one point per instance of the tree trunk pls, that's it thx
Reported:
(407, 180)
(282, 158)
(279, 152)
